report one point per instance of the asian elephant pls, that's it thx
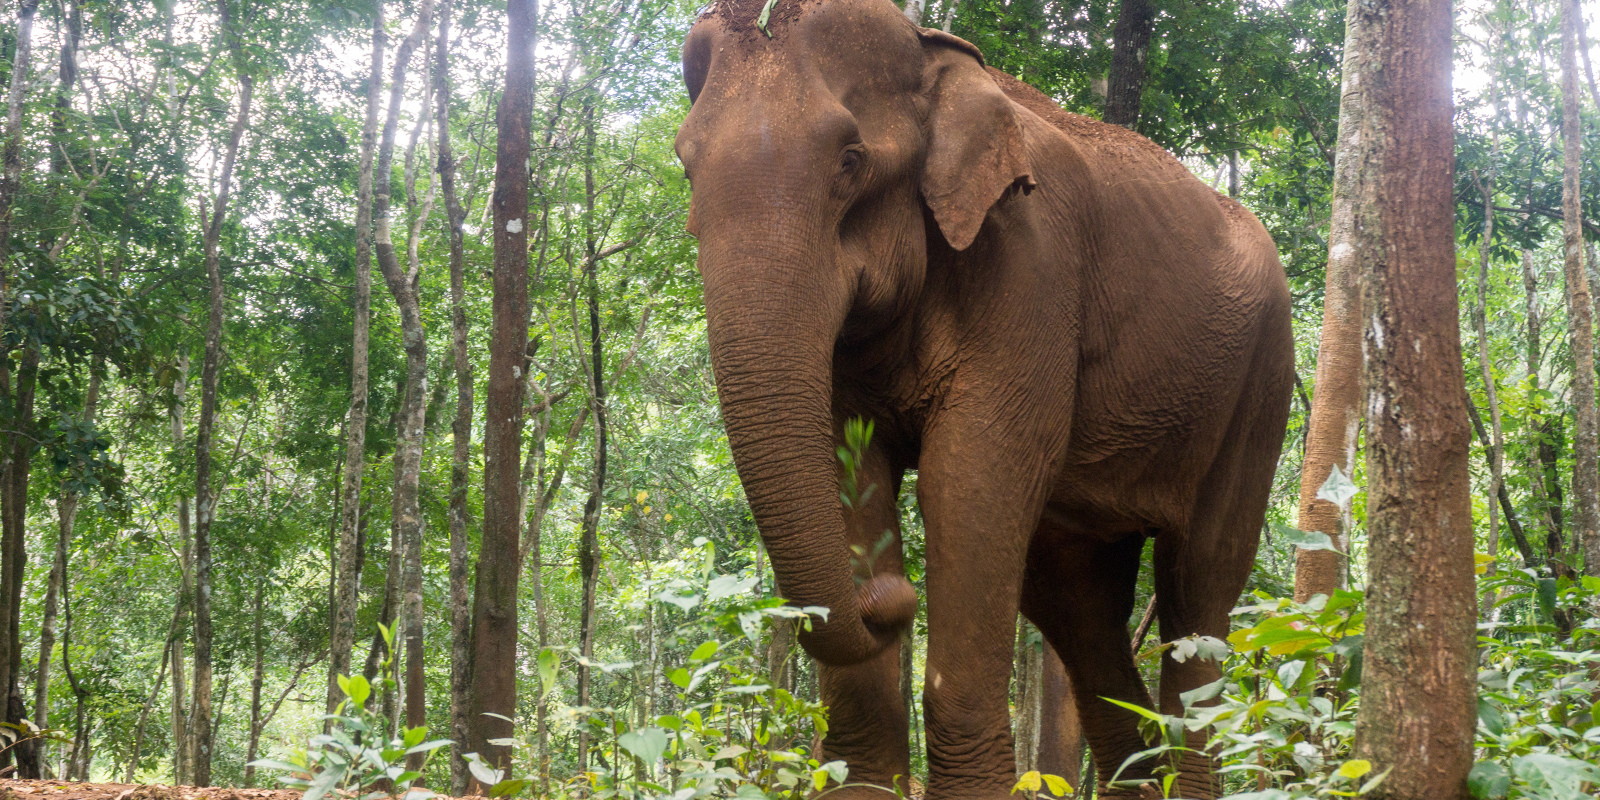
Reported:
(1075, 342)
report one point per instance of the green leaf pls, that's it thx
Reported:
(679, 677)
(507, 788)
(1354, 769)
(705, 650)
(549, 664)
(1202, 693)
(727, 586)
(1488, 781)
(646, 745)
(356, 688)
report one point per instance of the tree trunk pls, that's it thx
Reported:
(1480, 319)
(256, 678)
(1335, 425)
(13, 534)
(1028, 669)
(205, 500)
(1580, 309)
(1130, 48)
(1421, 605)
(494, 610)
(461, 428)
(180, 714)
(342, 637)
(405, 510)
(11, 148)
(67, 513)
(589, 544)
(1061, 739)
(914, 10)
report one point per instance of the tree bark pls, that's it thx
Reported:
(11, 149)
(13, 534)
(1480, 320)
(205, 500)
(589, 543)
(1130, 48)
(495, 598)
(348, 576)
(256, 678)
(914, 10)
(180, 715)
(1335, 425)
(406, 510)
(1580, 309)
(1421, 607)
(461, 427)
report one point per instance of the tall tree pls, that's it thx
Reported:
(1335, 422)
(1580, 308)
(1421, 607)
(494, 613)
(406, 511)
(1130, 50)
(461, 427)
(205, 496)
(348, 572)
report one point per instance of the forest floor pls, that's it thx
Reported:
(71, 790)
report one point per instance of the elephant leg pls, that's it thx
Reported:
(1079, 590)
(868, 725)
(1200, 572)
(979, 518)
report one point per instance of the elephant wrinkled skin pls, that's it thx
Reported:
(1075, 342)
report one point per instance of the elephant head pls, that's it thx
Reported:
(817, 150)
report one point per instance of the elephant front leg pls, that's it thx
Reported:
(979, 519)
(868, 725)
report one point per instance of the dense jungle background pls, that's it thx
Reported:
(246, 267)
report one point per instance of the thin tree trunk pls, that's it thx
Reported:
(461, 427)
(80, 744)
(11, 149)
(180, 714)
(495, 598)
(1335, 425)
(1130, 48)
(144, 714)
(589, 544)
(914, 10)
(405, 510)
(1028, 667)
(30, 756)
(1547, 495)
(256, 678)
(67, 513)
(1580, 309)
(205, 500)
(348, 580)
(1518, 535)
(1480, 320)
(1421, 605)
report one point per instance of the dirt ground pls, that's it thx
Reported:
(69, 790)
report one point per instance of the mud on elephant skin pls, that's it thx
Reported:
(1075, 342)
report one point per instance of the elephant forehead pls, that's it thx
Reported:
(851, 41)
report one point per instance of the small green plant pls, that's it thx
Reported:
(731, 733)
(355, 759)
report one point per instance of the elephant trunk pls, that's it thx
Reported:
(772, 329)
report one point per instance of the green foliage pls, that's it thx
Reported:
(356, 759)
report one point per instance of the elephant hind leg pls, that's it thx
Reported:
(1201, 571)
(1079, 591)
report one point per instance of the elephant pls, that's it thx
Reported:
(1075, 343)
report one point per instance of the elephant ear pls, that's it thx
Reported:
(975, 149)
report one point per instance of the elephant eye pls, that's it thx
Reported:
(850, 160)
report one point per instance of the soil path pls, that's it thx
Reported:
(71, 790)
